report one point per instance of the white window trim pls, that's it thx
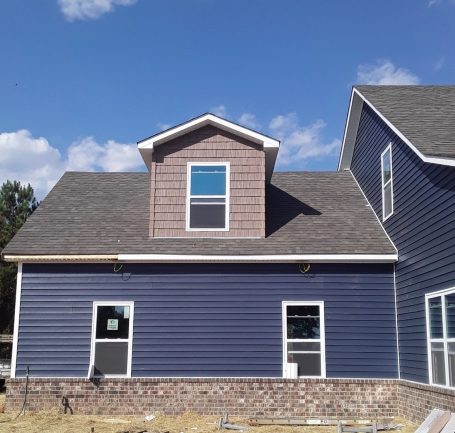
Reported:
(97, 304)
(320, 304)
(226, 196)
(444, 340)
(390, 181)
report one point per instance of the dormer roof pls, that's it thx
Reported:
(269, 144)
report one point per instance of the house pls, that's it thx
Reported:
(212, 283)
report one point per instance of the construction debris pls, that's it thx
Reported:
(383, 424)
(224, 423)
(435, 422)
(450, 426)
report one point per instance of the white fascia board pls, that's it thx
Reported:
(278, 258)
(208, 119)
(269, 144)
(352, 125)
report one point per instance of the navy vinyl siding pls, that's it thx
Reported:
(422, 228)
(207, 320)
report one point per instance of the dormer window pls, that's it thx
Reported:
(207, 205)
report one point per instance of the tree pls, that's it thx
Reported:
(17, 203)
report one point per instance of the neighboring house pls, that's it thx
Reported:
(213, 284)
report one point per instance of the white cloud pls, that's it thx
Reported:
(249, 120)
(89, 9)
(220, 111)
(33, 160)
(385, 72)
(163, 126)
(300, 143)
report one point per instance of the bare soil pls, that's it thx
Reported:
(54, 422)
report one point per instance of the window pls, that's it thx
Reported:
(303, 329)
(387, 183)
(207, 207)
(441, 337)
(112, 335)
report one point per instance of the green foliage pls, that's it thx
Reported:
(17, 203)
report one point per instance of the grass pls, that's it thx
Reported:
(54, 422)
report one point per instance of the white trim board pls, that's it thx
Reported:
(351, 127)
(17, 309)
(195, 258)
(285, 258)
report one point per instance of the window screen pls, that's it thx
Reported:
(208, 197)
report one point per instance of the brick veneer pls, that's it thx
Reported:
(416, 400)
(244, 397)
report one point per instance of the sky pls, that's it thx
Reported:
(81, 81)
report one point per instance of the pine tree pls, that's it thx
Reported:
(17, 203)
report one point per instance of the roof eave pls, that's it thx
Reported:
(175, 258)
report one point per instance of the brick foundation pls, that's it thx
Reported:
(416, 400)
(244, 397)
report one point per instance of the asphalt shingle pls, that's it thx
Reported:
(425, 115)
(108, 213)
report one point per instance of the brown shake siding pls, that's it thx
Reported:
(208, 144)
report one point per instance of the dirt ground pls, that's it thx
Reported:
(53, 422)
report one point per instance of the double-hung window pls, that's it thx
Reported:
(207, 207)
(387, 183)
(441, 337)
(112, 337)
(303, 338)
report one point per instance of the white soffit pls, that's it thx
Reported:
(270, 145)
(352, 125)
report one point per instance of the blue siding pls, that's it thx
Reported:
(208, 320)
(422, 228)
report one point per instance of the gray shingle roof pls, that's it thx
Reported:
(108, 213)
(425, 115)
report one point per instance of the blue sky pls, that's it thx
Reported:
(82, 80)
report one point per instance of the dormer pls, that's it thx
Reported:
(208, 179)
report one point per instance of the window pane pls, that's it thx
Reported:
(386, 172)
(436, 318)
(208, 180)
(309, 363)
(437, 362)
(388, 200)
(113, 322)
(207, 216)
(450, 315)
(451, 354)
(303, 321)
(302, 327)
(111, 358)
(304, 347)
(303, 310)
